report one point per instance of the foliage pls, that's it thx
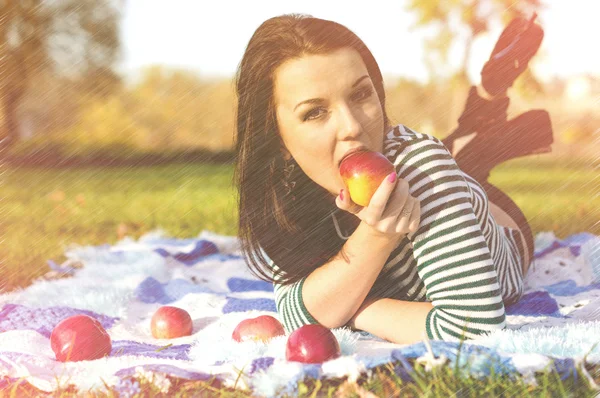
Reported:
(182, 110)
(170, 111)
(460, 22)
(166, 111)
(63, 38)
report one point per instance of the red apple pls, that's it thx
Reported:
(363, 172)
(171, 322)
(79, 338)
(261, 328)
(312, 344)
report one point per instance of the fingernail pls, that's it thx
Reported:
(341, 194)
(392, 177)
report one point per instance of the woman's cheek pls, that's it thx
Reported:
(371, 114)
(375, 110)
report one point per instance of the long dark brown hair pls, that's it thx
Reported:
(297, 235)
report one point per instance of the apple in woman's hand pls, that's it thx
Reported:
(80, 338)
(312, 344)
(261, 328)
(362, 173)
(171, 322)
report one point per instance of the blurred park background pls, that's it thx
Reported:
(117, 116)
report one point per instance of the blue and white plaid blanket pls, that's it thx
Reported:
(555, 324)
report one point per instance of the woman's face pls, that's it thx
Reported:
(327, 105)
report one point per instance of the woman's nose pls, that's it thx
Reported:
(349, 124)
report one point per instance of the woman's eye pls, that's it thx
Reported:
(359, 96)
(363, 94)
(312, 114)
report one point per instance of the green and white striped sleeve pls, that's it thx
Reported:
(453, 259)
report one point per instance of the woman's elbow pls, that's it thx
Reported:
(330, 323)
(461, 328)
(293, 318)
(498, 323)
(490, 325)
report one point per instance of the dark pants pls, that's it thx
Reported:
(498, 197)
(522, 136)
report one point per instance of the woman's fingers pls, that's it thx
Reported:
(405, 215)
(415, 218)
(391, 210)
(380, 198)
(397, 200)
(344, 202)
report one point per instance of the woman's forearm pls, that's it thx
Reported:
(401, 322)
(334, 292)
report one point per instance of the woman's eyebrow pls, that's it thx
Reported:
(317, 100)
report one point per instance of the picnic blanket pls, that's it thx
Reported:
(121, 285)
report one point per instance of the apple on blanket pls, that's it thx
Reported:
(307, 344)
(261, 328)
(171, 322)
(80, 338)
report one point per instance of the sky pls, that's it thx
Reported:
(211, 39)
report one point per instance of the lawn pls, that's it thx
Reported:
(44, 211)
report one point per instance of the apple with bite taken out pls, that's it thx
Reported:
(80, 338)
(312, 344)
(261, 328)
(363, 172)
(171, 322)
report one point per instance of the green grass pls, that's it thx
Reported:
(561, 197)
(43, 211)
(38, 223)
(442, 382)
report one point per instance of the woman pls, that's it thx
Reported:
(430, 253)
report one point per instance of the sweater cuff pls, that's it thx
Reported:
(428, 322)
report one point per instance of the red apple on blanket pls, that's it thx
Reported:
(261, 328)
(171, 322)
(79, 338)
(363, 172)
(312, 344)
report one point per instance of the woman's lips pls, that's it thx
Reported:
(351, 151)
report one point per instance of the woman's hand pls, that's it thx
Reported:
(391, 212)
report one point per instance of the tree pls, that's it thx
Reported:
(473, 16)
(461, 22)
(77, 39)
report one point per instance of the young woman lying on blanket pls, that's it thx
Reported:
(431, 253)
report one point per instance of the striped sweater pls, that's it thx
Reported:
(459, 259)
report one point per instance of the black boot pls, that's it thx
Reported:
(479, 115)
(527, 134)
(517, 44)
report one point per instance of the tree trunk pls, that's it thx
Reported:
(10, 99)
